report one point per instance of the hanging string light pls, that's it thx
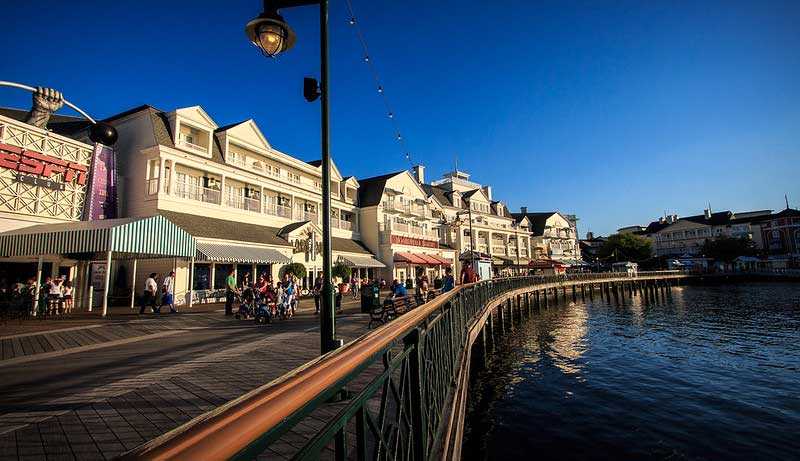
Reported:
(377, 79)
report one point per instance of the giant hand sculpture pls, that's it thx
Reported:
(45, 102)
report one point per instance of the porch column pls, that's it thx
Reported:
(89, 287)
(38, 285)
(213, 271)
(107, 284)
(191, 280)
(133, 284)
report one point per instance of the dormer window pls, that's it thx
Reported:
(193, 138)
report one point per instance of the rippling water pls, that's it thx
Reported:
(712, 373)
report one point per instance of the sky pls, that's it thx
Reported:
(616, 111)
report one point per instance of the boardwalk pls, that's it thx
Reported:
(93, 389)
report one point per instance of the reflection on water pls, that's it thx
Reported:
(708, 373)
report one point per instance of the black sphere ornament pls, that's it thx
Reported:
(103, 133)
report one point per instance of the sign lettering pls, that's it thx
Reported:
(39, 164)
(403, 240)
(30, 180)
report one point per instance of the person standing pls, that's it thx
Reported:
(318, 291)
(230, 289)
(355, 283)
(168, 290)
(421, 283)
(149, 296)
(448, 282)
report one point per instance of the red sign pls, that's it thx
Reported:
(31, 162)
(402, 240)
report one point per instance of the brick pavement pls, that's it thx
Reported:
(104, 420)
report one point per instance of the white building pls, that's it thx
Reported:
(554, 236)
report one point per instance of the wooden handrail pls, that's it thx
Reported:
(230, 428)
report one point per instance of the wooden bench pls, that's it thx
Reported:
(392, 308)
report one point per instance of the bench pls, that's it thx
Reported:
(392, 308)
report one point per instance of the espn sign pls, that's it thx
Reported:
(37, 163)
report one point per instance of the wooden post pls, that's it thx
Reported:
(133, 284)
(107, 284)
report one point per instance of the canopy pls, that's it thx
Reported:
(429, 259)
(442, 261)
(501, 261)
(544, 264)
(227, 252)
(467, 256)
(359, 261)
(420, 259)
(145, 236)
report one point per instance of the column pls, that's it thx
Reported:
(107, 284)
(489, 237)
(221, 190)
(38, 285)
(133, 284)
(212, 276)
(191, 280)
(89, 287)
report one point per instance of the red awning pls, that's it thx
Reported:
(429, 259)
(443, 261)
(409, 258)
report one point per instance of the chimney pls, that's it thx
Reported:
(707, 213)
(523, 209)
(662, 220)
(589, 235)
(419, 174)
(488, 191)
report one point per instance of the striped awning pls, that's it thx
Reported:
(410, 258)
(145, 236)
(227, 252)
(359, 261)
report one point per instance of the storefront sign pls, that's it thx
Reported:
(412, 241)
(39, 164)
(103, 187)
(98, 276)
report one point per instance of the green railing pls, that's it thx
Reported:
(387, 395)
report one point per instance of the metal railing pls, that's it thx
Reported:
(278, 210)
(403, 409)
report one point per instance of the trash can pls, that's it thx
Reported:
(370, 297)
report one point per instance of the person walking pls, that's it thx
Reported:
(230, 289)
(318, 291)
(168, 291)
(149, 295)
(54, 297)
(421, 283)
(448, 282)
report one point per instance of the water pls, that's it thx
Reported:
(713, 373)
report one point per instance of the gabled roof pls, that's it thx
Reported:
(335, 173)
(292, 227)
(787, 213)
(444, 196)
(719, 218)
(371, 190)
(538, 220)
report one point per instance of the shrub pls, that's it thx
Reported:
(297, 269)
(342, 271)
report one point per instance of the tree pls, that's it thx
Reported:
(298, 269)
(724, 248)
(342, 271)
(626, 247)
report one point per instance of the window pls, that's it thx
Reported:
(292, 177)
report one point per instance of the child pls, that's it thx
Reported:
(67, 299)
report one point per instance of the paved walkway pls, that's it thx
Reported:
(93, 388)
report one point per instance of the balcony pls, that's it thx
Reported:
(346, 225)
(243, 203)
(400, 227)
(189, 145)
(390, 206)
(301, 215)
(151, 188)
(193, 192)
(278, 210)
(431, 233)
(416, 230)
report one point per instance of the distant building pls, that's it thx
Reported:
(590, 247)
(554, 236)
(684, 236)
(780, 234)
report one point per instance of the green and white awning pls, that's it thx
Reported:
(230, 253)
(143, 236)
(359, 261)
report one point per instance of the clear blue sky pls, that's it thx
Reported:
(616, 111)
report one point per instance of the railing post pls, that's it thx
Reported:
(418, 408)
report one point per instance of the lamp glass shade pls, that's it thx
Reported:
(270, 38)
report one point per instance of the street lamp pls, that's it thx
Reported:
(457, 223)
(515, 226)
(270, 33)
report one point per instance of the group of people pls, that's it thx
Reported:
(281, 298)
(422, 286)
(151, 293)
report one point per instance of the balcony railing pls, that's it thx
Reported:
(301, 215)
(416, 230)
(400, 227)
(431, 233)
(346, 225)
(152, 186)
(199, 193)
(196, 147)
(278, 210)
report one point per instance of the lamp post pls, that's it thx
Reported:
(515, 225)
(270, 33)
